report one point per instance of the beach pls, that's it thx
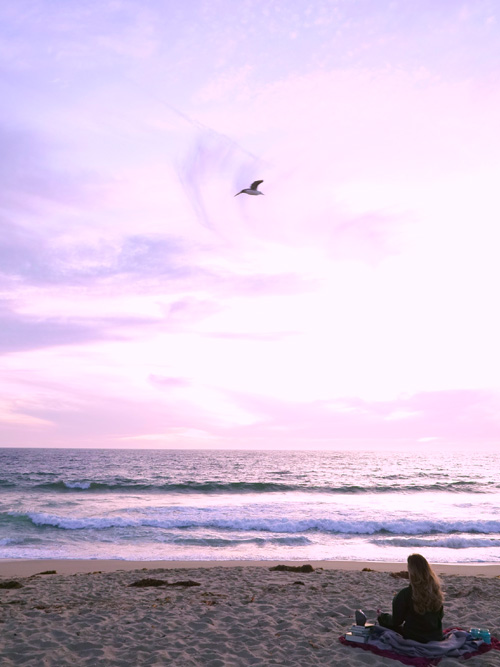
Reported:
(77, 528)
(217, 613)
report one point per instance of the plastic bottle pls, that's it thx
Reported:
(485, 636)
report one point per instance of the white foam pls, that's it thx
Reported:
(452, 542)
(77, 485)
(193, 519)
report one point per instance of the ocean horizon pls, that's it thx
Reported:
(247, 505)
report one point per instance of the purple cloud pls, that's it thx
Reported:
(28, 256)
(450, 417)
(24, 332)
(270, 337)
(166, 382)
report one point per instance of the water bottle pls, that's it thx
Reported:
(485, 636)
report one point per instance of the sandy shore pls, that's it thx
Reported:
(26, 568)
(239, 614)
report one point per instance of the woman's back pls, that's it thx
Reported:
(424, 627)
(417, 610)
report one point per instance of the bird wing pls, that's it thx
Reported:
(255, 185)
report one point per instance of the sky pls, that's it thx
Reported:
(353, 305)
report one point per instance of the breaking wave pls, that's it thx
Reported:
(212, 520)
(215, 487)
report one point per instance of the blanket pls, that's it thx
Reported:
(456, 643)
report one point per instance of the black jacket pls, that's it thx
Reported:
(421, 627)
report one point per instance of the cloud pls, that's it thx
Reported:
(26, 332)
(29, 256)
(153, 255)
(454, 417)
(91, 419)
(76, 38)
(23, 332)
(270, 337)
(265, 284)
(368, 237)
(31, 182)
(214, 161)
(21, 252)
(125, 131)
(166, 382)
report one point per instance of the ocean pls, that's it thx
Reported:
(248, 505)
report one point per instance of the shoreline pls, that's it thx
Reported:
(27, 568)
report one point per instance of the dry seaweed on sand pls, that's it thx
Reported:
(10, 584)
(187, 583)
(145, 583)
(292, 568)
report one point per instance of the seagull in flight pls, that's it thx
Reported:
(252, 190)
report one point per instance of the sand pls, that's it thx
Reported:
(239, 614)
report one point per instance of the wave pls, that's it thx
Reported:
(263, 524)
(16, 541)
(7, 541)
(220, 542)
(451, 542)
(214, 487)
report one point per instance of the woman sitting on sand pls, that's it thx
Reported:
(417, 610)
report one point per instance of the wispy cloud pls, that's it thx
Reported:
(166, 382)
(140, 299)
(30, 181)
(34, 258)
(213, 160)
(21, 331)
(264, 337)
(453, 418)
(18, 332)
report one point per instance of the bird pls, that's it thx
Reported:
(252, 190)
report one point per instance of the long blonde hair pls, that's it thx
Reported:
(425, 586)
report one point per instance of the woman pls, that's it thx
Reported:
(417, 610)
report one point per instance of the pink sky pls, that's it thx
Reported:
(354, 305)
